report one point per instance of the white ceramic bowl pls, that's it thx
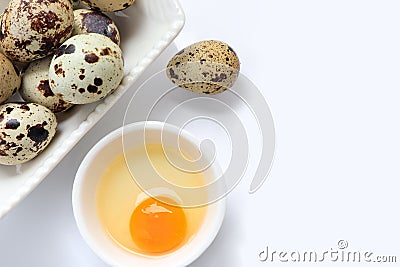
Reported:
(146, 28)
(84, 199)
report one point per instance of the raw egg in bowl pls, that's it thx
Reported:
(125, 203)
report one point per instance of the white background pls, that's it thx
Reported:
(330, 73)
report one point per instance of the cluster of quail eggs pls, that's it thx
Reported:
(56, 54)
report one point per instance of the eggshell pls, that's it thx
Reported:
(207, 67)
(25, 131)
(20, 66)
(90, 21)
(9, 77)
(31, 30)
(75, 3)
(108, 5)
(86, 68)
(36, 88)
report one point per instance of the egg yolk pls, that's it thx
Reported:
(157, 227)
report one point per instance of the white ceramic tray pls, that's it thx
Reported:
(147, 28)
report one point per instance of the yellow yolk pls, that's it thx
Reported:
(120, 202)
(157, 227)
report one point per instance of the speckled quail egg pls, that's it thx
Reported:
(31, 30)
(207, 67)
(25, 131)
(36, 88)
(108, 5)
(90, 21)
(86, 68)
(10, 80)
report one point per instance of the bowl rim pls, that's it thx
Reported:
(210, 227)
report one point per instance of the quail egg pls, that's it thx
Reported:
(108, 5)
(30, 30)
(36, 88)
(86, 68)
(207, 67)
(25, 131)
(90, 21)
(9, 77)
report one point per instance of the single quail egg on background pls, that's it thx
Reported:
(207, 67)
(10, 80)
(31, 30)
(90, 21)
(25, 131)
(86, 68)
(36, 88)
(108, 5)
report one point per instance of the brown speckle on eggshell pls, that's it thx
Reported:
(207, 67)
(36, 87)
(31, 30)
(25, 131)
(108, 5)
(89, 73)
(90, 21)
(75, 3)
